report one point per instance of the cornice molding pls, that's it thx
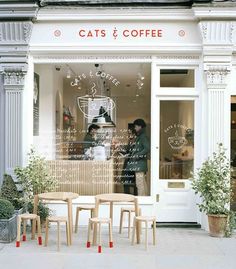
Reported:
(18, 11)
(113, 14)
(226, 12)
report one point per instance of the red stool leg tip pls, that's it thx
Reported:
(40, 240)
(88, 244)
(111, 244)
(17, 244)
(24, 237)
(99, 249)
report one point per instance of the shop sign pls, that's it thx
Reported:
(119, 33)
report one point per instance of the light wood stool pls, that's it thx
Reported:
(99, 221)
(58, 220)
(128, 210)
(145, 219)
(80, 208)
(23, 218)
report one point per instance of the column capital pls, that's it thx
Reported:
(217, 76)
(13, 77)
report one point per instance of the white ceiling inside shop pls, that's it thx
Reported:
(125, 73)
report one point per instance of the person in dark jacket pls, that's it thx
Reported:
(90, 138)
(128, 177)
(138, 157)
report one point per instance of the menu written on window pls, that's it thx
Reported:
(36, 105)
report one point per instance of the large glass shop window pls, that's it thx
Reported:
(92, 124)
(176, 139)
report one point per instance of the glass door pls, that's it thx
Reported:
(176, 199)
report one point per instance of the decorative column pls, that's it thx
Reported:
(217, 55)
(14, 38)
(13, 86)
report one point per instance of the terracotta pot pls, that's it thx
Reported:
(217, 225)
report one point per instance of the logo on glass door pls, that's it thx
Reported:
(177, 141)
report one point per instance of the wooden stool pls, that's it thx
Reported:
(58, 220)
(99, 221)
(80, 208)
(128, 210)
(23, 218)
(145, 219)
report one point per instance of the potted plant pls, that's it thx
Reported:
(34, 179)
(7, 222)
(212, 182)
(10, 192)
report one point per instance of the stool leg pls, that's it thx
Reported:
(121, 220)
(146, 235)
(18, 231)
(89, 234)
(76, 220)
(39, 231)
(67, 234)
(100, 239)
(154, 232)
(129, 220)
(24, 230)
(140, 214)
(110, 235)
(58, 236)
(134, 230)
(46, 232)
(91, 214)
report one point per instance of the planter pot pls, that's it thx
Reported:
(18, 211)
(217, 225)
(8, 229)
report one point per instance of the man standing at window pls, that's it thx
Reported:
(138, 158)
(90, 139)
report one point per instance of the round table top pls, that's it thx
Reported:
(116, 197)
(58, 195)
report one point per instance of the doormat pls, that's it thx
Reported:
(178, 225)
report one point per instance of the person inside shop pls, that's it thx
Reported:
(137, 162)
(128, 177)
(90, 139)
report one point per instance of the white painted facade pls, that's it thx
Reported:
(199, 38)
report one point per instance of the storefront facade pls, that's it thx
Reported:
(175, 71)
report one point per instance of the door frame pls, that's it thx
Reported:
(159, 94)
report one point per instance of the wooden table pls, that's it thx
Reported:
(57, 196)
(115, 198)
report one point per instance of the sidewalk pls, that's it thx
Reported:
(175, 249)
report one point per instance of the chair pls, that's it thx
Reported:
(99, 221)
(146, 220)
(58, 220)
(80, 208)
(128, 210)
(23, 218)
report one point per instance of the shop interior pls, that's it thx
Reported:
(68, 98)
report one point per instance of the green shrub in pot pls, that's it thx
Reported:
(35, 178)
(6, 209)
(10, 192)
(212, 183)
(7, 222)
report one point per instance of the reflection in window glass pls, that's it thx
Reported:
(176, 139)
(177, 78)
(233, 152)
(86, 129)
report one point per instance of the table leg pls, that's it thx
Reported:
(137, 222)
(111, 213)
(70, 219)
(95, 225)
(35, 211)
